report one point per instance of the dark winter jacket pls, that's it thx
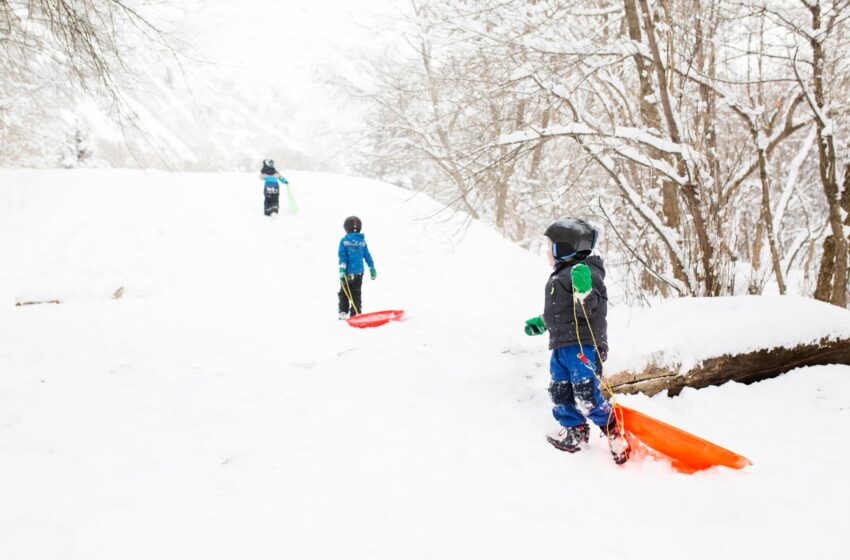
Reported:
(352, 251)
(558, 310)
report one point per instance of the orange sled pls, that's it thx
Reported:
(687, 452)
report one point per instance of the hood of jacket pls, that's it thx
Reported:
(597, 267)
(354, 237)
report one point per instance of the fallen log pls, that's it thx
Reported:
(33, 302)
(36, 300)
(747, 367)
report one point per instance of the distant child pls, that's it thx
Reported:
(576, 367)
(271, 188)
(352, 252)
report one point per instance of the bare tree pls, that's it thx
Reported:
(687, 126)
(45, 44)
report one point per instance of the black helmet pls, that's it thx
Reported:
(352, 224)
(268, 163)
(571, 236)
(268, 167)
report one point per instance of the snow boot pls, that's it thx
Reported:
(343, 316)
(618, 444)
(569, 439)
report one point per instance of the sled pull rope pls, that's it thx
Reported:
(601, 375)
(347, 289)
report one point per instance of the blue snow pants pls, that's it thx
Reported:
(575, 389)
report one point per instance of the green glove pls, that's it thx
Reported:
(342, 272)
(373, 272)
(582, 281)
(535, 326)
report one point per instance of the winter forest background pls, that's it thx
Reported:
(708, 138)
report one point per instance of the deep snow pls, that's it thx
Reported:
(220, 410)
(680, 333)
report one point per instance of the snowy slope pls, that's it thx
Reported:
(220, 410)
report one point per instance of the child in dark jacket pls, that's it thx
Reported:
(271, 188)
(578, 280)
(352, 252)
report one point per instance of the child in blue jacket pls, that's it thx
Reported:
(352, 252)
(271, 188)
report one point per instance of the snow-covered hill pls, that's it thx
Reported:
(220, 410)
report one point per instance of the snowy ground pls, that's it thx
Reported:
(220, 410)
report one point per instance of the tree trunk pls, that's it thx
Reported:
(839, 290)
(649, 113)
(691, 191)
(755, 284)
(767, 216)
(845, 205)
(828, 173)
(501, 204)
(826, 271)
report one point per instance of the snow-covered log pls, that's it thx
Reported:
(747, 367)
(737, 339)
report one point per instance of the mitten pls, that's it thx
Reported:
(535, 326)
(582, 281)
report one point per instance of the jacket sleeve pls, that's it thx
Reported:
(368, 257)
(343, 255)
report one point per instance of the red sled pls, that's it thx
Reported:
(375, 319)
(687, 453)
